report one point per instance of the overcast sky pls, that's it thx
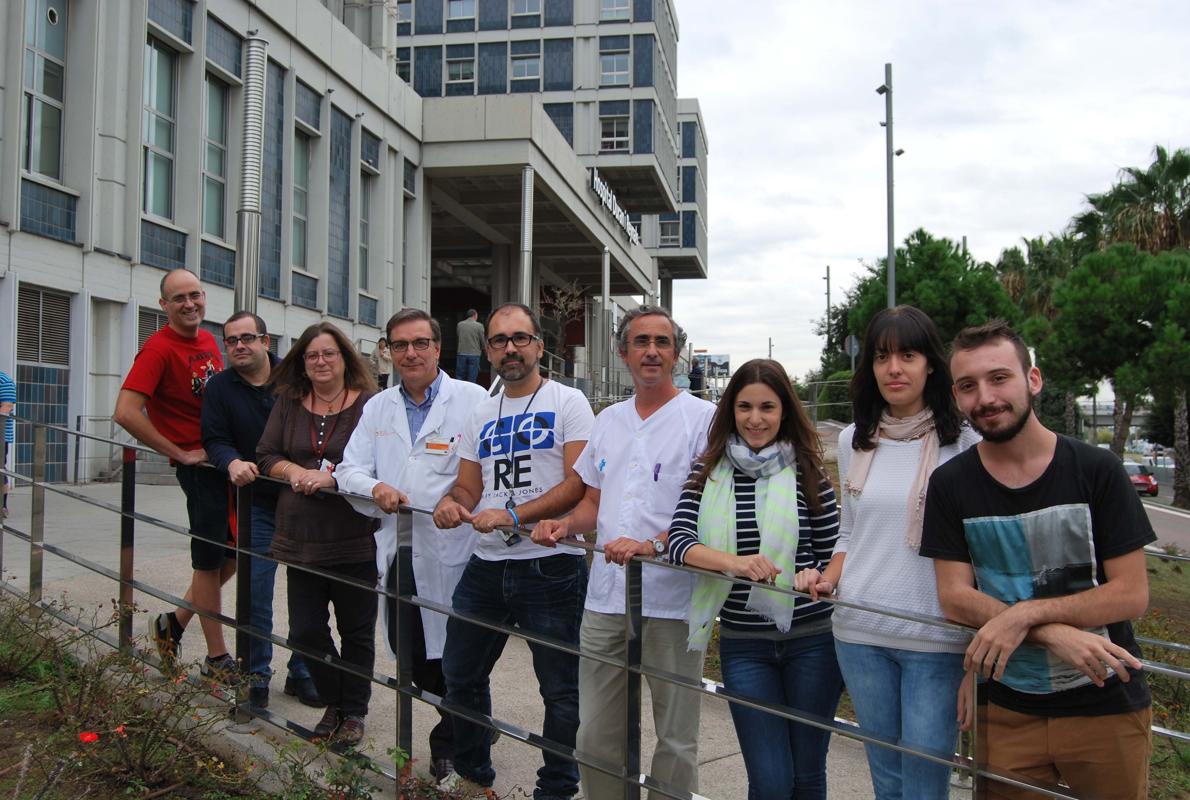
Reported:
(1009, 113)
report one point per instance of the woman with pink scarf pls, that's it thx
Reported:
(903, 677)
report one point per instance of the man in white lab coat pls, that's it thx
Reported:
(405, 451)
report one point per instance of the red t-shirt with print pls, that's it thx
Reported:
(172, 371)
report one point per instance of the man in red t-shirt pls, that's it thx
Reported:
(160, 404)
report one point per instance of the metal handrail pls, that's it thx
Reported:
(406, 692)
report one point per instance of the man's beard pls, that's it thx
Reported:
(1004, 433)
(515, 368)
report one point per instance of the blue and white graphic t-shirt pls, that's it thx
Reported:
(1047, 539)
(518, 443)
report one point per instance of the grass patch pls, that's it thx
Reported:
(1168, 619)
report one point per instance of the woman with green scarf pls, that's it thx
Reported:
(759, 506)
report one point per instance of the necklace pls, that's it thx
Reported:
(320, 437)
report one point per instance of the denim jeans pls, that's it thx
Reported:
(466, 367)
(909, 697)
(541, 595)
(264, 574)
(783, 759)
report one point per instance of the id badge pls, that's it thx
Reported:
(327, 466)
(441, 445)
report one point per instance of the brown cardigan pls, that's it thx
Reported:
(319, 529)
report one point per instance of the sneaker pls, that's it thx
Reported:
(327, 726)
(304, 690)
(221, 669)
(351, 731)
(258, 696)
(167, 635)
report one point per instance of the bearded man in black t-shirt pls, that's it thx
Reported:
(1038, 541)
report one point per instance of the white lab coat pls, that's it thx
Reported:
(380, 450)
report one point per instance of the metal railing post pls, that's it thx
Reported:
(404, 705)
(977, 789)
(37, 517)
(127, 545)
(244, 562)
(632, 658)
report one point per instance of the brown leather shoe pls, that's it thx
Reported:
(328, 725)
(351, 731)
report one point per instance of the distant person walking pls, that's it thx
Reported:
(471, 336)
(8, 405)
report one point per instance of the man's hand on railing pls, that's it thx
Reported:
(242, 472)
(388, 499)
(489, 519)
(620, 551)
(547, 532)
(449, 513)
(192, 457)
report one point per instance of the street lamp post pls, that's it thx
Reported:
(886, 89)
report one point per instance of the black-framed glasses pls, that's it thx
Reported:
(642, 342)
(246, 338)
(400, 345)
(520, 339)
(182, 299)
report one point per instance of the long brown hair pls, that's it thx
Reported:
(795, 429)
(289, 377)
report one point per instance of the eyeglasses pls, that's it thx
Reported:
(520, 339)
(326, 355)
(181, 299)
(400, 346)
(642, 342)
(246, 338)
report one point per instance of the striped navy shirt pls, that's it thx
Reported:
(816, 542)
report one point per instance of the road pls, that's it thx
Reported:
(1172, 525)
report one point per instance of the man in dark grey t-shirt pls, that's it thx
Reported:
(471, 341)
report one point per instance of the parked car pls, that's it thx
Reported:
(1142, 479)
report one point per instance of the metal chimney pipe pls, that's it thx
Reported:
(248, 213)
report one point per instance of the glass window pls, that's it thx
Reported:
(613, 69)
(160, 89)
(403, 64)
(526, 67)
(613, 9)
(460, 71)
(214, 185)
(45, 75)
(365, 206)
(670, 232)
(405, 11)
(526, 6)
(301, 185)
(613, 134)
(460, 9)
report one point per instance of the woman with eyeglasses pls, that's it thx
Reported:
(759, 506)
(322, 385)
(902, 676)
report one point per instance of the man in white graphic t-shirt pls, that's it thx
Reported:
(517, 466)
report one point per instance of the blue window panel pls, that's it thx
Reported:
(369, 149)
(175, 16)
(367, 310)
(305, 291)
(613, 108)
(668, 217)
(559, 12)
(642, 11)
(460, 89)
(427, 16)
(612, 43)
(563, 116)
(338, 284)
(460, 51)
(689, 138)
(529, 48)
(427, 71)
(308, 106)
(642, 60)
(493, 68)
(218, 265)
(47, 212)
(525, 86)
(161, 247)
(460, 25)
(642, 126)
(526, 21)
(270, 182)
(43, 394)
(223, 46)
(410, 179)
(404, 29)
(689, 229)
(689, 184)
(558, 69)
(493, 15)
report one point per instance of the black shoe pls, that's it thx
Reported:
(258, 697)
(327, 726)
(167, 635)
(221, 669)
(304, 690)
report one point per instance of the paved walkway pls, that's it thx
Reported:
(162, 559)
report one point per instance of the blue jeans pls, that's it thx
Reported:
(783, 759)
(264, 573)
(466, 367)
(541, 595)
(909, 697)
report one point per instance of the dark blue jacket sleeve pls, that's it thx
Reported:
(217, 437)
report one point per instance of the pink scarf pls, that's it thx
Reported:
(901, 429)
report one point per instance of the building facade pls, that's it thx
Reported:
(127, 130)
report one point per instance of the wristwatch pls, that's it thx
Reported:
(658, 546)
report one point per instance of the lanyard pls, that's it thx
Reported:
(320, 447)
